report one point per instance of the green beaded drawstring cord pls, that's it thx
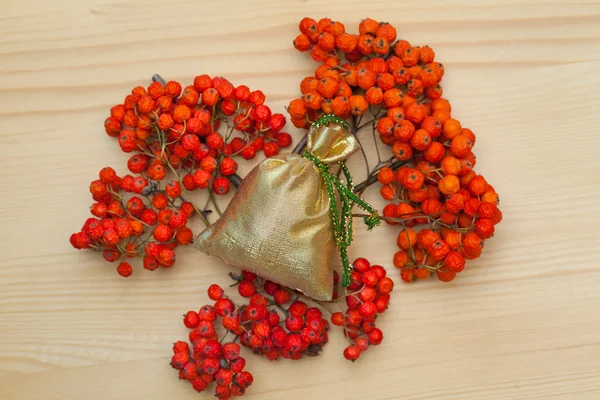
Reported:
(342, 224)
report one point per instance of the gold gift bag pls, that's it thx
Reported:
(280, 223)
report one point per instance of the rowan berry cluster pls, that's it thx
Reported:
(209, 360)
(274, 323)
(430, 179)
(370, 297)
(181, 140)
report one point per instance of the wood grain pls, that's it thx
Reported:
(521, 323)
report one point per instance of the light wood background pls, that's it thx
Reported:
(523, 322)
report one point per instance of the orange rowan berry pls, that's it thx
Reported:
(156, 172)
(435, 152)
(484, 228)
(173, 89)
(387, 140)
(386, 175)
(190, 96)
(415, 87)
(418, 196)
(438, 68)
(326, 41)
(145, 104)
(401, 75)
(469, 134)
(404, 130)
(441, 104)
(297, 108)
(387, 192)
(454, 262)
(327, 87)
(368, 26)
(432, 125)
(302, 42)
(490, 196)
(405, 210)
(401, 173)
(477, 185)
(344, 90)
(466, 178)
(307, 24)
(426, 238)
(327, 106)
(452, 237)
(448, 218)
(309, 83)
(401, 259)
(431, 206)
(358, 105)
(471, 207)
(396, 114)
(407, 238)
(442, 115)
(346, 42)
(402, 150)
(366, 78)
(439, 249)
(321, 72)
(210, 96)
(449, 184)
(323, 24)
(165, 103)
(400, 47)
(336, 28)
(410, 57)
(450, 165)
(313, 100)
(455, 203)
(374, 95)
(393, 97)
(381, 46)
(416, 113)
(428, 77)
(460, 145)
(341, 106)
(387, 31)
(165, 121)
(421, 140)
(202, 82)
(414, 179)
(434, 92)
(365, 44)
(472, 242)
(386, 81)
(445, 275)
(385, 126)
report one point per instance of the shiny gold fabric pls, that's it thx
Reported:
(278, 225)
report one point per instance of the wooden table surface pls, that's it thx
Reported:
(523, 322)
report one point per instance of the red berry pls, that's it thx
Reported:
(207, 313)
(179, 360)
(386, 285)
(362, 344)
(375, 336)
(231, 351)
(199, 384)
(338, 319)
(246, 288)
(380, 272)
(224, 306)
(191, 320)
(124, 269)
(361, 265)
(215, 292)
(298, 308)
(368, 309)
(351, 353)
(181, 347)
(369, 278)
(282, 296)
